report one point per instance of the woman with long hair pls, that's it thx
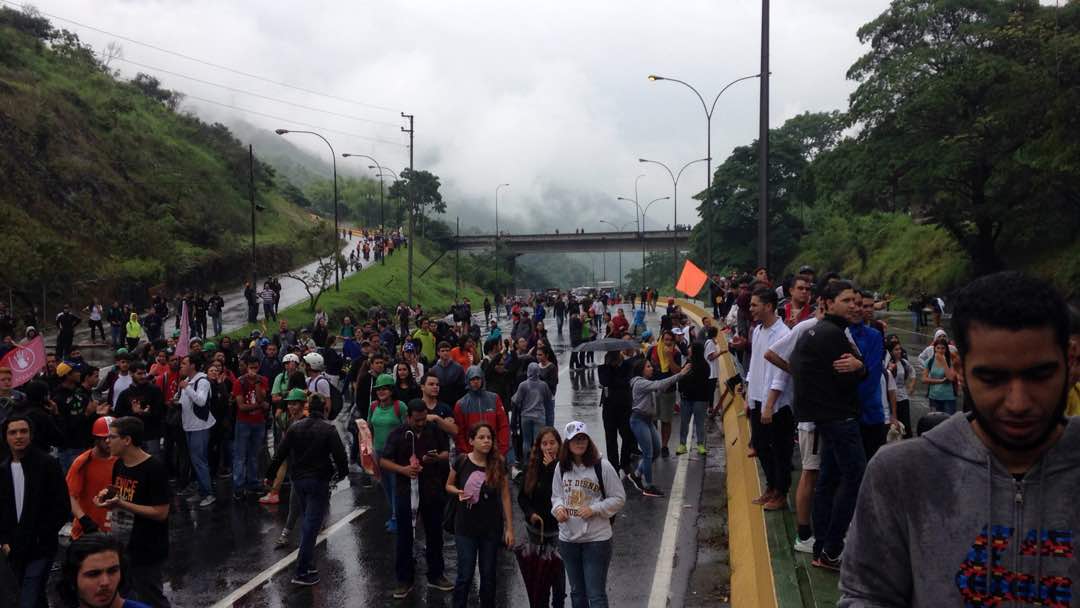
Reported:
(478, 481)
(586, 493)
(696, 391)
(535, 502)
(643, 390)
(904, 374)
(405, 387)
(941, 377)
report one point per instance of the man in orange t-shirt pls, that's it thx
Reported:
(89, 474)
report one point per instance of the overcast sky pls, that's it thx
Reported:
(551, 97)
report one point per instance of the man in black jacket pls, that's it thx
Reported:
(144, 400)
(315, 453)
(827, 369)
(33, 507)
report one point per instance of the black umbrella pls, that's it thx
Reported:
(607, 344)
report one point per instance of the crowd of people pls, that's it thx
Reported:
(452, 421)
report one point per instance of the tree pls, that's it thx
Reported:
(421, 189)
(317, 280)
(730, 211)
(967, 118)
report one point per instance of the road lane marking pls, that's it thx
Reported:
(284, 562)
(665, 560)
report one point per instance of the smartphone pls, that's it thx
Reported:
(111, 492)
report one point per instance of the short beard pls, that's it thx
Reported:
(988, 429)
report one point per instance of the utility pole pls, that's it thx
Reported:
(457, 262)
(763, 142)
(251, 188)
(410, 203)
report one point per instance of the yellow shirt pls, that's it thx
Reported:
(1073, 407)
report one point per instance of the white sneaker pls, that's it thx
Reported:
(209, 500)
(804, 546)
(66, 530)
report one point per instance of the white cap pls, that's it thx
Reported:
(940, 333)
(314, 361)
(291, 358)
(575, 428)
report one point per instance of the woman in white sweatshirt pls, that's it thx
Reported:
(586, 493)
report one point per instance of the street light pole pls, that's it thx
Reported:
(382, 202)
(337, 231)
(251, 187)
(708, 148)
(412, 213)
(646, 210)
(619, 229)
(675, 194)
(497, 234)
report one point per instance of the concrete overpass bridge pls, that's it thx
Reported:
(521, 244)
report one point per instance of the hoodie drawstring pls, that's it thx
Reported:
(1039, 529)
(989, 522)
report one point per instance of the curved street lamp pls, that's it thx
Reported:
(497, 234)
(708, 140)
(618, 229)
(675, 193)
(337, 233)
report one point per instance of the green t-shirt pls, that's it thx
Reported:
(427, 343)
(382, 420)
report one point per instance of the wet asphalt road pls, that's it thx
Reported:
(218, 550)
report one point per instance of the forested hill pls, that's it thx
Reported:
(108, 188)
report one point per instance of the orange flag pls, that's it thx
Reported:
(691, 280)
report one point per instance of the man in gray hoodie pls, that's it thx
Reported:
(980, 511)
(530, 401)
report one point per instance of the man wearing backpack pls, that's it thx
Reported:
(319, 383)
(197, 421)
(250, 392)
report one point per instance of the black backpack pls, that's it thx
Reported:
(599, 469)
(337, 401)
(202, 412)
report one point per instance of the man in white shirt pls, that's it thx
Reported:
(197, 421)
(771, 420)
(779, 355)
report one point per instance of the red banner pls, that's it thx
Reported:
(25, 361)
(691, 280)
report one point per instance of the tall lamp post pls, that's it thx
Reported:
(497, 188)
(675, 194)
(337, 232)
(382, 195)
(618, 229)
(641, 229)
(708, 145)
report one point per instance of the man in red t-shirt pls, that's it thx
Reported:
(90, 473)
(250, 393)
(798, 308)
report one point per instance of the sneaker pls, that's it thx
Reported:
(826, 562)
(391, 526)
(66, 530)
(206, 502)
(238, 496)
(679, 451)
(702, 450)
(270, 499)
(282, 540)
(652, 491)
(635, 479)
(442, 584)
(307, 580)
(664, 452)
(764, 498)
(804, 546)
(402, 591)
(225, 474)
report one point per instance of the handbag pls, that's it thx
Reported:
(450, 509)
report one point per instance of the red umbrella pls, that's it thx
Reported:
(540, 568)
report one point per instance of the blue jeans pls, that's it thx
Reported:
(246, 445)
(216, 320)
(117, 334)
(648, 439)
(842, 464)
(549, 413)
(696, 409)
(530, 428)
(469, 549)
(943, 405)
(587, 568)
(198, 443)
(32, 586)
(314, 496)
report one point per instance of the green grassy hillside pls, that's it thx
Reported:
(109, 187)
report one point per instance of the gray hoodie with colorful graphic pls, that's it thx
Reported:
(940, 522)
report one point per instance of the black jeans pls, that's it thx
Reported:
(470, 550)
(96, 325)
(616, 418)
(903, 412)
(873, 437)
(775, 443)
(429, 515)
(842, 464)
